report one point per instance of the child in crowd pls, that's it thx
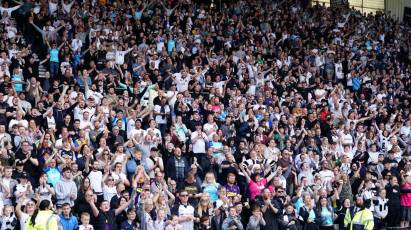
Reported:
(85, 222)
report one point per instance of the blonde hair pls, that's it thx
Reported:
(209, 205)
(205, 182)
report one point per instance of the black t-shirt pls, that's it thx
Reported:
(29, 167)
(16, 174)
(104, 218)
(3, 118)
(192, 188)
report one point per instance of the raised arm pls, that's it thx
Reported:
(45, 60)
(11, 9)
(91, 201)
(247, 177)
(65, 88)
(122, 207)
(39, 30)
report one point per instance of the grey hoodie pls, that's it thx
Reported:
(64, 190)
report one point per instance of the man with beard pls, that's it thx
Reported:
(363, 219)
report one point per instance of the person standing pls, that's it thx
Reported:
(184, 211)
(177, 167)
(96, 177)
(199, 140)
(44, 218)
(364, 218)
(105, 218)
(67, 220)
(233, 220)
(66, 189)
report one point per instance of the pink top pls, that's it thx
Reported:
(256, 188)
(406, 197)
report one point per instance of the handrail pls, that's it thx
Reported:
(362, 7)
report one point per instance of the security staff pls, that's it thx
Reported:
(363, 219)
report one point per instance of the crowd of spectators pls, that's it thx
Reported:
(185, 114)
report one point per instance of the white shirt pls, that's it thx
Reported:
(182, 211)
(338, 71)
(67, 7)
(52, 7)
(120, 56)
(199, 146)
(210, 128)
(109, 192)
(96, 177)
(131, 126)
(373, 157)
(326, 175)
(51, 122)
(346, 139)
(76, 44)
(160, 119)
(173, 99)
(118, 176)
(85, 124)
(182, 83)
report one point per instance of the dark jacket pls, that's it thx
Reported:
(171, 167)
(304, 213)
(285, 219)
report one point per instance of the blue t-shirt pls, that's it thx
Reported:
(326, 216)
(170, 45)
(17, 86)
(212, 190)
(138, 14)
(215, 145)
(54, 55)
(53, 176)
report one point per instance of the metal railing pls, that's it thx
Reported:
(356, 4)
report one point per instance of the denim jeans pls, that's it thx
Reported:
(54, 69)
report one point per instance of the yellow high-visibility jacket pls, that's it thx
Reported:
(364, 218)
(347, 218)
(45, 220)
